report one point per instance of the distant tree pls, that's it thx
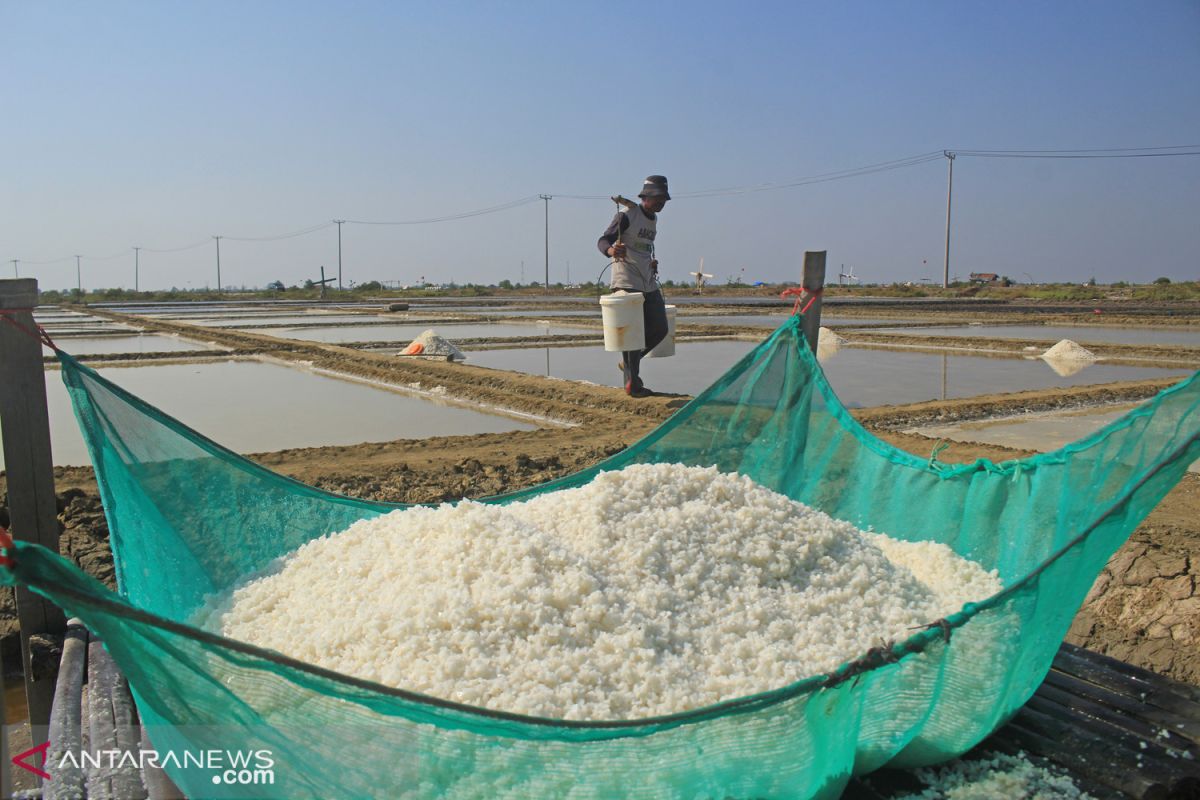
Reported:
(506, 284)
(308, 284)
(1162, 281)
(370, 286)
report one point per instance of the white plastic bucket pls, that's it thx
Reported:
(666, 347)
(624, 328)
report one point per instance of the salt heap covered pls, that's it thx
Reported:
(429, 343)
(650, 590)
(1068, 357)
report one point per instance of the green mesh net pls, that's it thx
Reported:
(188, 517)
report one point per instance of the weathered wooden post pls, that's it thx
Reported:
(25, 428)
(812, 281)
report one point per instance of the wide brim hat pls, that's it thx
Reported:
(655, 186)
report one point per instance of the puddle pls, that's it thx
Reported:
(406, 333)
(1042, 432)
(1078, 333)
(253, 406)
(860, 377)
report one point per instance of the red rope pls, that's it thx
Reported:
(799, 293)
(9, 316)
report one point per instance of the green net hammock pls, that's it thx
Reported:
(188, 517)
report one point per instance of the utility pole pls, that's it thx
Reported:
(546, 198)
(339, 222)
(14, 263)
(78, 278)
(218, 238)
(136, 253)
(949, 191)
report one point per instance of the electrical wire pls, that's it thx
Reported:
(1097, 152)
(292, 235)
(200, 243)
(970, 154)
(524, 201)
(48, 261)
(124, 252)
(822, 177)
(855, 172)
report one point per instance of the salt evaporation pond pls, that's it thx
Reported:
(773, 320)
(404, 333)
(1078, 333)
(282, 320)
(252, 406)
(861, 377)
(137, 343)
(1043, 432)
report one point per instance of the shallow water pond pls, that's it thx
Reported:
(860, 377)
(252, 406)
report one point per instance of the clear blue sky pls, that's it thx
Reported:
(160, 124)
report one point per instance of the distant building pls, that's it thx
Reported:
(984, 277)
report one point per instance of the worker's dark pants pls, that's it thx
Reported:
(654, 316)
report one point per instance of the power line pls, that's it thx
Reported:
(48, 261)
(200, 243)
(292, 235)
(823, 177)
(855, 172)
(524, 201)
(1097, 152)
(1112, 155)
(124, 252)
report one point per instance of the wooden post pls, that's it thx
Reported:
(25, 427)
(812, 280)
(6, 787)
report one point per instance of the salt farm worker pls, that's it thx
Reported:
(635, 269)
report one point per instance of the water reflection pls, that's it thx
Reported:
(861, 377)
(251, 406)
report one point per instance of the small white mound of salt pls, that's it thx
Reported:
(1067, 350)
(828, 344)
(430, 343)
(827, 337)
(650, 590)
(1012, 777)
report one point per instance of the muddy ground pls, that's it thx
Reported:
(1144, 608)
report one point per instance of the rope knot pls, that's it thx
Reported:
(799, 293)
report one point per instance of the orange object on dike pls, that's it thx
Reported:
(414, 349)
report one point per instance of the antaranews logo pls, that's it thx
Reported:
(229, 767)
